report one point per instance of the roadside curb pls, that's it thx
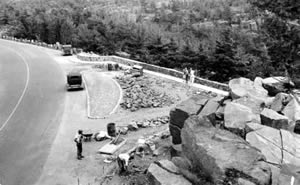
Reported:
(87, 97)
(120, 96)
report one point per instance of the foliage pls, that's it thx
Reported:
(169, 33)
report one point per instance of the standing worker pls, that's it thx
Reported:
(192, 78)
(186, 75)
(78, 140)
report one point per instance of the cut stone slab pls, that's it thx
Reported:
(272, 119)
(111, 148)
(219, 153)
(237, 115)
(160, 176)
(280, 101)
(255, 105)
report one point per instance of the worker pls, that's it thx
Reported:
(192, 75)
(78, 140)
(123, 160)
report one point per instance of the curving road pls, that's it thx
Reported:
(32, 100)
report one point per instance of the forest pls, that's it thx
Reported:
(220, 39)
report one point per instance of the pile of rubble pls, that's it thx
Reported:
(137, 94)
(250, 137)
(135, 125)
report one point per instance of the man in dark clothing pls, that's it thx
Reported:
(78, 140)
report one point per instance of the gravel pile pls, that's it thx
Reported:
(137, 94)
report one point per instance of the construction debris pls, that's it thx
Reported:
(138, 94)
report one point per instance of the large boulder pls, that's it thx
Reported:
(221, 155)
(268, 141)
(272, 119)
(279, 146)
(165, 173)
(275, 85)
(181, 112)
(280, 101)
(254, 104)
(237, 115)
(242, 87)
(292, 111)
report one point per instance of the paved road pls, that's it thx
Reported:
(32, 100)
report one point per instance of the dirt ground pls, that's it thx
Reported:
(62, 167)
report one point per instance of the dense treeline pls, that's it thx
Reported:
(171, 33)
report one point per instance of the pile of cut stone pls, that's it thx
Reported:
(137, 94)
(248, 138)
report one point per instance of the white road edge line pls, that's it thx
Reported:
(120, 98)
(87, 95)
(24, 90)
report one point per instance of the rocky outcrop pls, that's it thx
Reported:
(272, 119)
(239, 139)
(165, 173)
(181, 112)
(223, 156)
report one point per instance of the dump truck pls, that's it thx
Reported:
(135, 71)
(67, 50)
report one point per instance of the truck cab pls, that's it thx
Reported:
(74, 81)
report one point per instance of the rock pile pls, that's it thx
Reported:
(248, 137)
(137, 94)
(135, 125)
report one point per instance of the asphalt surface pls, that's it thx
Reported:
(32, 97)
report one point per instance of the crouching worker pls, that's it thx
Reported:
(123, 161)
(78, 140)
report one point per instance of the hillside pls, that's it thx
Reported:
(221, 39)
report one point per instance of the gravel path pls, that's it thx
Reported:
(103, 94)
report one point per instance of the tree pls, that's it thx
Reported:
(281, 33)
(285, 9)
(224, 64)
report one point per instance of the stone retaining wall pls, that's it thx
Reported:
(125, 61)
(151, 67)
